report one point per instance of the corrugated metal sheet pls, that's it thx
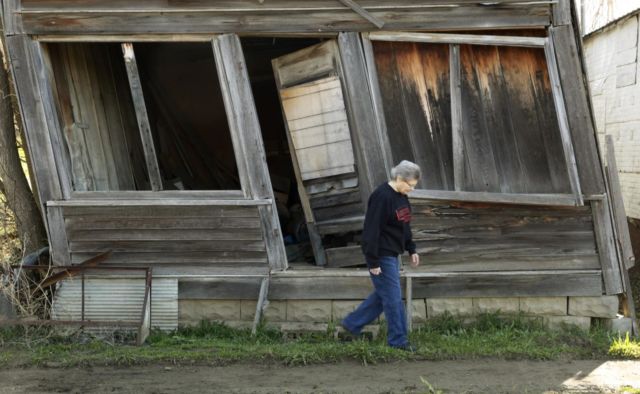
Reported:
(117, 299)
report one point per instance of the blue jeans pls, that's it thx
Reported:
(387, 297)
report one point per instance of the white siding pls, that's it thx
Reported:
(614, 78)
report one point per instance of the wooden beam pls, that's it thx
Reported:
(361, 111)
(456, 117)
(563, 122)
(575, 94)
(376, 97)
(504, 198)
(606, 247)
(443, 38)
(146, 137)
(244, 124)
(60, 152)
(315, 285)
(561, 12)
(621, 228)
(12, 21)
(169, 194)
(20, 50)
(58, 242)
(157, 202)
(303, 19)
(363, 13)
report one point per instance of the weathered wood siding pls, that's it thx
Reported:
(491, 237)
(414, 83)
(173, 235)
(97, 118)
(200, 16)
(510, 129)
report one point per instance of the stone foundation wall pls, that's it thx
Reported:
(553, 311)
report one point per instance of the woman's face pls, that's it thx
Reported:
(405, 186)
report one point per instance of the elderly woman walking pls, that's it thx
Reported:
(387, 234)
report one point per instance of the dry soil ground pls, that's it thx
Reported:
(471, 376)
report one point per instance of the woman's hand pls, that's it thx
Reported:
(415, 260)
(375, 271)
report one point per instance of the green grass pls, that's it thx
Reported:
(212, 343)
(625, 348)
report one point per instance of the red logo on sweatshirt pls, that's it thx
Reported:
(403, 214)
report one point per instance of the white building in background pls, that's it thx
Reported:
(611, 33)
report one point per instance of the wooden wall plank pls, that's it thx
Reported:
(623, 237)
(505, 91)
(376, 97)
(576, 103)
(415, 89)
(364, 128)
(516, 285)
(61, 156)
(20, 49)
(561, 13)
(12, 22)
(356, 288)
(603, 227)
(488, 237)
(244, 123)
(58, 242)
(456, 118)
(141, 114)
(278, 20)
(253, 6)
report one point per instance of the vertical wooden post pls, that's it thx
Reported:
(561, 112)
(376, 97)
(619, 215)
(46, 87)
(575, 94)
(58, 241)
(20, 50)
(364, 127)
(456, 117)
(143, 119)
(606, 246)
(247, 139)
(409, 302)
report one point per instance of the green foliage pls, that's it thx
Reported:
(625, 348)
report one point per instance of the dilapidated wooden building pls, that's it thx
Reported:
(218, 141)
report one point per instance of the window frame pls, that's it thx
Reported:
(575, 198)
(133, 78)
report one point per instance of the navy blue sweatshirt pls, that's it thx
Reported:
(387, 231)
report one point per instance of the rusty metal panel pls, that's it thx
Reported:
(111, 298)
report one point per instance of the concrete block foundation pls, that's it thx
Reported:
(555, 312)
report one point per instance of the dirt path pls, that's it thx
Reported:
(478, 376)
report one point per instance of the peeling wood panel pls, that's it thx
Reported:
(198, 235)
(415, 88)
(280, 19)
(488, 237)
(509, 125)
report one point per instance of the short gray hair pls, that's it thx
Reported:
(406, 170)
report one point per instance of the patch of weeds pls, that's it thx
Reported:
(429, 386)
(625, 348)
(628, 390)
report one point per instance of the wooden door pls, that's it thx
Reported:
(321, 144)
